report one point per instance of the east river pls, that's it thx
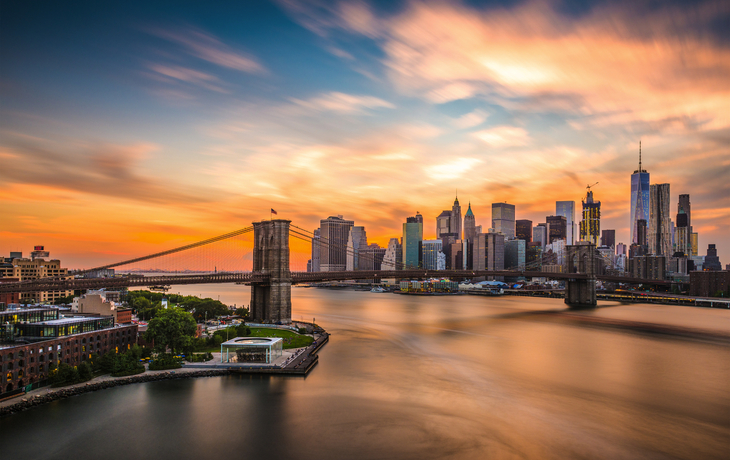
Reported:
(406, 377)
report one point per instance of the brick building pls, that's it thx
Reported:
(709, 283)
(21, 365)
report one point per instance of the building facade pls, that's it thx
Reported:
(608, 238)
(640, 197)
(712, 262)
(556, 228)
(660, 229)
(315, 261)
(567, 210)
(590, 226)
(455, 221)
(334, 233)
(432, 254)
(393, 256)
(503, 219)
(514, 254)
(33, 269)
(412, 239)
(523, 230)
(356, 241)
(470, 225)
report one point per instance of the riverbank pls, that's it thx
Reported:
(47, 394)
(301, 366)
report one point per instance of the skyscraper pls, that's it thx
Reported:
(640, 196)
(556, 228)
(590, 226)
(523, 230)
(686, 206)
(503, 219)
(334, 232)
(356, 241)
(660, 230)
(470, 230)
(371, 257)
(392, 260)
(683, 237)
(412, 238)
(608, 238)
(495, 251)
(712, 262)
(479, 252)
(540, 235)
(514, 254)
(432, 254)
(443, 223)
(455, 222)
(567, 210)
(315, 262)
(642, 233)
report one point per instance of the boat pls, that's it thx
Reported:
(378, 289)
(160, 288)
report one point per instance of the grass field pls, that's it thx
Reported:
(291, 338)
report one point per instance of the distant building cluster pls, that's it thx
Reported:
(660, 247)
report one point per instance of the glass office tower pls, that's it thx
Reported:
(412, 241)
(640, 196)
(567, 210)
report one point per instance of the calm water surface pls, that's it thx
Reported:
(420, 377)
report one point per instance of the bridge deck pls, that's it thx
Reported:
(53, 284)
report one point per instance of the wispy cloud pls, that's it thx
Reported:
(187, 75)
(209, 48)
(341, 102)
(503, 136)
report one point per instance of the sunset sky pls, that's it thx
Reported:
(130, 128)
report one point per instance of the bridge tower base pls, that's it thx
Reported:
(581, 293)
(271, 300)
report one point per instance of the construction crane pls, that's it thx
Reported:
(588, 187)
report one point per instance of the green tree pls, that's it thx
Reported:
(204, 308)
(64, 300)
(172, 328)
(242, 312)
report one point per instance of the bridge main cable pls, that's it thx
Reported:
(171, 251)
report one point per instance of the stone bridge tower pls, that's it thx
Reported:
(271, 300)
(580, 259)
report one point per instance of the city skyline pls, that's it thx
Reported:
(144, 131)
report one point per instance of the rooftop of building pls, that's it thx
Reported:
(62, 321)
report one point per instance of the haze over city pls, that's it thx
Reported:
(131, 128)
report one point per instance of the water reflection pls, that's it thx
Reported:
(426, 377)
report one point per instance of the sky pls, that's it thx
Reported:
(133, 127)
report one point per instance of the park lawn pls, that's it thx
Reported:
(291, 338)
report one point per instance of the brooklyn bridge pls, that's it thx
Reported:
(271, 277)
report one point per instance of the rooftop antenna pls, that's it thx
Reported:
(639, 155)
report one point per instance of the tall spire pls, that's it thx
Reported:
(456, 200)
(639, 155)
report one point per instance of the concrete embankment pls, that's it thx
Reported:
(62, 393)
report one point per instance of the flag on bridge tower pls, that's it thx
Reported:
(272, 213)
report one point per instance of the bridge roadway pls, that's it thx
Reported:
(55, 284)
